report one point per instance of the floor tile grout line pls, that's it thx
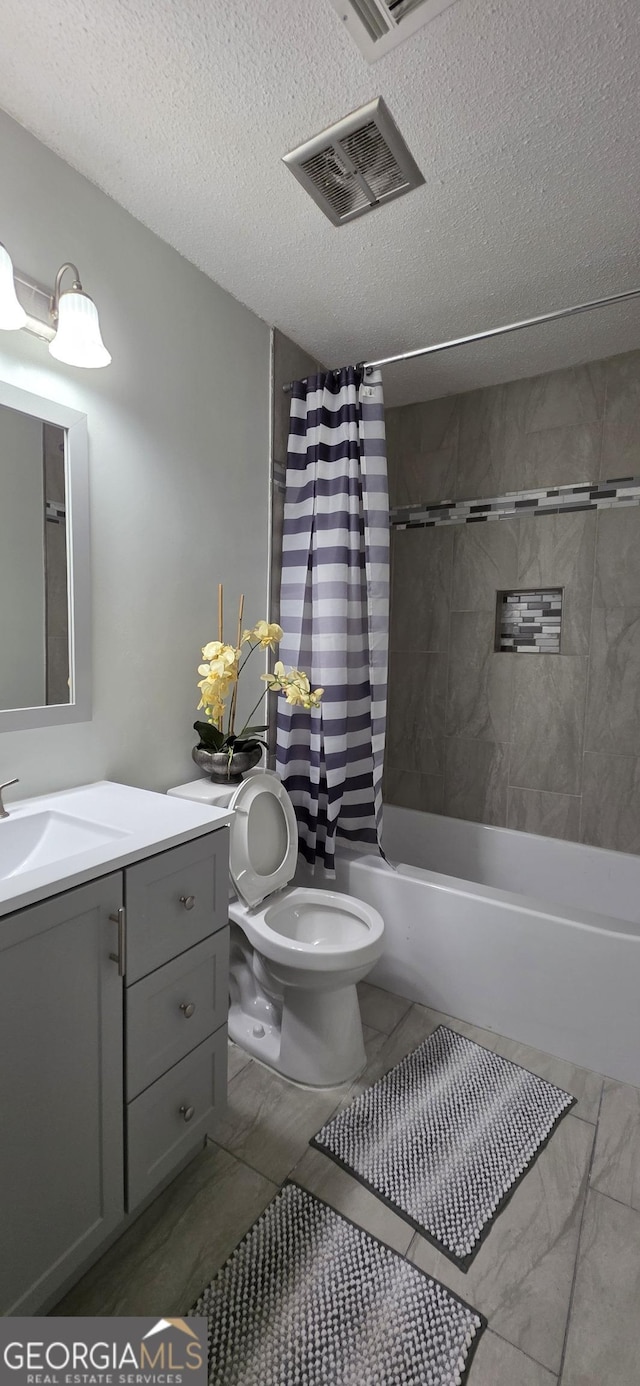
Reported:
(397, 997)
(602, 1193)
(278, 1185)
(577, 1116)
(388, 1033)
(241, 1161)
(232, 1076)
(517, 1348)
(414, 1238)
(490, 1326)
(578, 1245)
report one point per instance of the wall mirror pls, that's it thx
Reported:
(45, 655)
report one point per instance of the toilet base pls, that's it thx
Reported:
(318, 1043)
(260, 1040)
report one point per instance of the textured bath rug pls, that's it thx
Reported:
(445, 1137)
(309, 1299)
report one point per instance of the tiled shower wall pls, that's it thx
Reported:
(547, 743)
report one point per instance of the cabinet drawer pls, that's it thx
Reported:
(172, 1117)
(174, 900)
(174, 1009)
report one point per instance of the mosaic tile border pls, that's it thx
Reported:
(56, 512)
(557, 500)
(529, 621)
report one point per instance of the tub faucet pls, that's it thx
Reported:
(3, 811)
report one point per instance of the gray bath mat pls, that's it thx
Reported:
(309, 1299)
(446, 1137)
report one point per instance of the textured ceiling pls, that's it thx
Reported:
(522, 114)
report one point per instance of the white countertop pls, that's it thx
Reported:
(140, 821)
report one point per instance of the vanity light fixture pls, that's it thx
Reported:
(12, 314)
(78, 340)
(66, 319)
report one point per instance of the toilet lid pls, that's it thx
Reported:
(263, 839)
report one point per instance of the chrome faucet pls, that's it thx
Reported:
(3, 811)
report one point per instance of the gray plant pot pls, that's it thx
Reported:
(216, 764)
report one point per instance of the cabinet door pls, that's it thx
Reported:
(61, 1150)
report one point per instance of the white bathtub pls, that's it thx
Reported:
(534, 938)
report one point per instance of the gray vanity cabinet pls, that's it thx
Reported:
(113, 1057)
(61, 1137)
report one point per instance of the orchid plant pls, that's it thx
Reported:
(219, 676)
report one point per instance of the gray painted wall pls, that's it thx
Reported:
(179, 469)
(544, 743)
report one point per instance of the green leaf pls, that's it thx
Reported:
(210, 737)
(249, 743)
(248, 731)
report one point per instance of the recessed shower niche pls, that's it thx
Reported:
(529, 621)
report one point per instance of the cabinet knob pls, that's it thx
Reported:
(186, 1112)
(188, 901)
(187, 1008)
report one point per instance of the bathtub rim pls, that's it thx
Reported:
(588, 920)
(494, 830)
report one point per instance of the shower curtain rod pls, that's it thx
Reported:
(491, 332)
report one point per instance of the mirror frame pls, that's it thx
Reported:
(76, 459)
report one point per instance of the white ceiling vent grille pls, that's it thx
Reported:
(379, 25)
(356, 165)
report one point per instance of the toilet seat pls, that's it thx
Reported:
(263, 842)
(313, 930)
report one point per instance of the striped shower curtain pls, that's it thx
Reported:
(334, 608)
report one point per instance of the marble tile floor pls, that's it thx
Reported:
(558, 1277)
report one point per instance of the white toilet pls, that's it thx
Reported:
(296, 953)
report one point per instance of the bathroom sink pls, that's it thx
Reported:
(40, 839)
(57, 841)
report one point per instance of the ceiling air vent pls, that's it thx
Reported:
(378, 25)
(356, 165)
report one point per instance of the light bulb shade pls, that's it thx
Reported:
(78, 341)
(12, 314)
